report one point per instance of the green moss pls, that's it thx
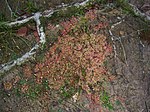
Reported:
(67, 91)
(105, 98)
(31, 7)
(2, 17)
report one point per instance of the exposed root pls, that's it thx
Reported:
(28, 55)
(36, 17)
(112, 36)
(139, 13)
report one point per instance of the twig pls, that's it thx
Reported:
(140, 39)
(28, 55)
(48, 13)
(112, 36)
(114, 47)
(20, 22)
(9, 8)
(119, 38)
(124, 53)
(139, 13)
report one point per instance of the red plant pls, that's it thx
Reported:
(100, 26)
(68, 25)
(94, 103)
(78, 59)
(66, 60)
(91, 14)
(27, 71)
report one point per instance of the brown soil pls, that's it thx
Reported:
(130, 67)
